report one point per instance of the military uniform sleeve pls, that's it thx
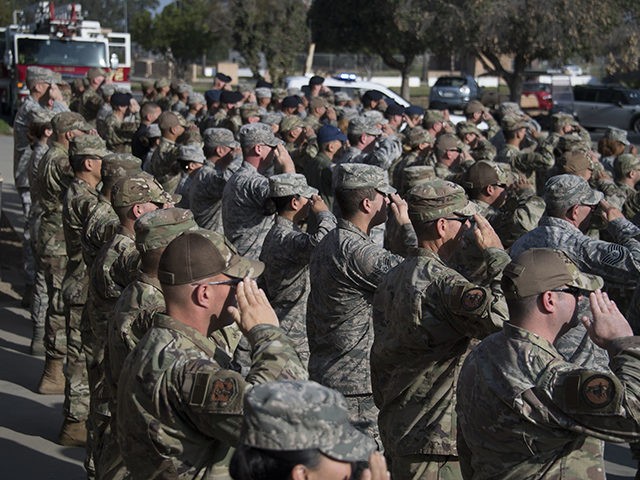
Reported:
(388, 150)
(605, 405)
(472, 310)
(370, 263)
(301, 244)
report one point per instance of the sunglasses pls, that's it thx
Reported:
(464, 219)
(233, 282)
(575, 291)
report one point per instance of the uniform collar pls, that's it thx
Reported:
(162, 320)
(521, 334)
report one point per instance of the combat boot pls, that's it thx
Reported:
(37, 342)
(52, 381)
(73, 434)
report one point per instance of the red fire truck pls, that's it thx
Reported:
(59, 39)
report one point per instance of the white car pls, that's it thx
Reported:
(352, 85)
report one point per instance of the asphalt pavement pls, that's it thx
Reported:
(29, 422)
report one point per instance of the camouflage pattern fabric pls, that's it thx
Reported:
(119, 134)
(426, 317)
(243, 210)
(185, 417)
(164, 165)
(90, 104)
(286, 252)
(99, 227)
(541, 410)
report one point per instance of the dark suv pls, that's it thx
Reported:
(602, 106)
(453, 92)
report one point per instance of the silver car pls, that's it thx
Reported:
(602, 106)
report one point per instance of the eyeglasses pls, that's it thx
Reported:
(501, 185)
(464, 219)
(575, 291)
(233, 282)
(592, 207)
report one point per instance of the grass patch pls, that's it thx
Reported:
(5, 128)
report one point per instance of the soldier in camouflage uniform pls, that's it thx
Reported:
(369, 145)
(526, 412)
(186, 416)
(123, 122)
(107, 90)
(205, 197)
(477, 113)
(286, 252)
(164, 165)
(131, 318)
(300, 141)
(191, 159)
(42, 84)
(479, 147)
(319, 169)
(245, 219)
(425, 317)
(450, 160)
(345, 269)
(284, 418)
(626, 169)
(417, 148)
(54, 177)
(91, 100)
(40, 130)
(527, 162)
(227, 115)
(85, 156)
(163, 94)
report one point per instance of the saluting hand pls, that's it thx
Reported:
(608, 323)
(486, 236)
(400, 209)
(253, 307)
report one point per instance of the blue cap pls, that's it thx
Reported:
(412, 110)
(394, 109)
(329, 133)
(212, 96)
(292, 101)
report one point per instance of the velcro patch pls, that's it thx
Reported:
(473, 299)
(598, 391)
(223, 390)
(614, 254)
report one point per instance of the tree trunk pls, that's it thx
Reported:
(404, 88)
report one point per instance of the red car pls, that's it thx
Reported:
(536, 96)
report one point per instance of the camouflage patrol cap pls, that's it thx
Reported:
(564, 191)
(162, 83)
(286, 184)
(64, 122)
(342, 97)
(438, 198)
(182, 87)
(318, 102)
(570, 141)
(419, 135)
(96, 72)
(37, 75)
(271, 118)
(613, 133)
(509, 108)
(301, 415)
(147, 83)
(108, 89)
(116, 165)
(474, 106)
(539, 270)
(248, 110)
(141, 188)
(191, 153)
(195, 98)
(511, 123)
(575, 161)
(290, 122)
(416, 175)
(360, 125)
(432, 117)
(263, 92)
(219, 137)
(463, 128)
(625, 163)
(254, 134)
(355, 176)
(158, 228)
(42, 116)
(168, 120)
(192, 257)
(483, 173)
(376, 117)
(448, 141)
(561, 119)
(88, 145)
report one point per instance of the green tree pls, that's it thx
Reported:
(274, 28)
(507, 35)
(397, 30)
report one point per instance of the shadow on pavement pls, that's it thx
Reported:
(26, 416)
(26, 369)
(29, 463)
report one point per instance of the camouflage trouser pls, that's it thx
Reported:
(55, 336)
(76, 401)
(425, 467)
(40, 299)
(363, 414)
(27, 250)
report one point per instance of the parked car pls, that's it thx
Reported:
(454, 92)
(602, 106)
(536, 96)
(352, 85)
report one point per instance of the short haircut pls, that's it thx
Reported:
(349, 200)
(148, 108)
(255, 463)
(77, 161)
